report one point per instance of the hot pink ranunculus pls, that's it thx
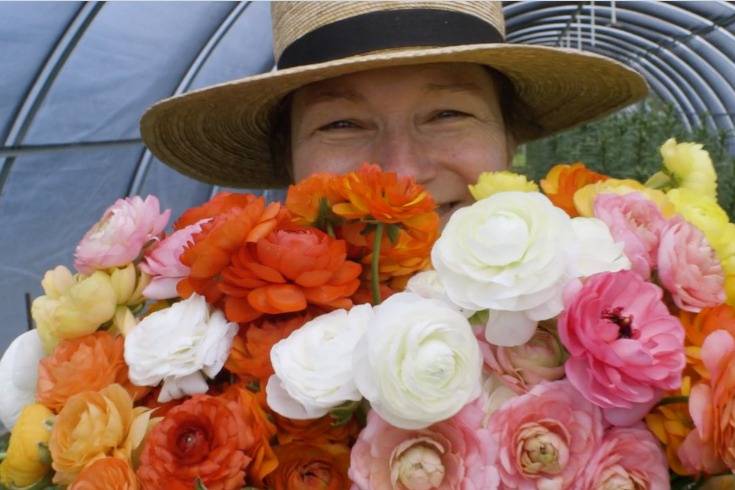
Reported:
(119, 236)
(689, 268)
(163, 265)
(545, 437)
(628, 457)
(635, 221)
(625, 347)
(454, 454)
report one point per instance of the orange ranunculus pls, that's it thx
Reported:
(286, 271)
(263, 458)
(83, 364)
(251, 349)
(697, 326)
(106, 474)
(314, 195)
(236, 219)
(387, 197)
(563, 180)
(671, 423)
(316, 431)
(205, 438)
(95, 424)
(304, 466)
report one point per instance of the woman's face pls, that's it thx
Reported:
(440, 123)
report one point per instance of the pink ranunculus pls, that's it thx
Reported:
(545, 437)
(628, 457)
(163, 265)
(635, 221)
(119, 236)
(454, 454)
(689, 268)
(625, 347)
(709, 447)
(524, 366)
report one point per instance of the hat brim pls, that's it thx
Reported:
(220, 134)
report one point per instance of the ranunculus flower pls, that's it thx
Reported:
(625, 347)
(671, 423)
(689, 268)
(205, 438)
(321, 430)
(22, 465)
(95, 424)
(494, 395)
(689, 166)
(120, 235)
(310, 466)
(428, 285)
(311, 200)
(563, 180)
(507, 253)
(594, 249)
(489, 183)
(635, 221)
(524, 366)
(697, 328)
(73, 306)
(83, 364)
(18, 376)
(250, 355)
(454, 454)
(711, 408)
(628, 458)
(179, 345)
(313, 366)
(546, 437)
(106, 474)
(164, 265)
(418, 363)
(584, 198)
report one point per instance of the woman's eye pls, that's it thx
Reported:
(448, 114)
(341, 124)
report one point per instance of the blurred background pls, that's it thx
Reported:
(75, 78)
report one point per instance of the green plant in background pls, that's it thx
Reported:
(626, 145)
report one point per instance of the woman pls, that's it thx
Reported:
(427, 89)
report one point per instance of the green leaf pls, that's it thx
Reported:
(199, 485)
(393, 231)
(343, 413)
(480, 317)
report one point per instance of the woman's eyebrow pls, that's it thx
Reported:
(454, 87)
(331, 94)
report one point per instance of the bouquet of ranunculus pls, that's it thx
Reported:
(578, 338)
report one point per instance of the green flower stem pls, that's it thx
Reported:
(330, 229)
(670, 400)
(375, 264)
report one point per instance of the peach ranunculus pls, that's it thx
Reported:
(545, 437)
(95, 424)
(454, 454)
(635, 221)
(688, 267)
(697, 326)
(309, 466)
(163, 262)
(86, 363)
(286, 271)
(108, 473)
(710, 448)
(205, 438)
(373, 194)
(626, 458)
(120, 235)
(524, 366)
(251, 349)
(22, 465)
(563, 180)
(311, 200)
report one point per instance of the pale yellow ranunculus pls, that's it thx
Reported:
(70, 310)
(129, 283)
(690, 167)
(23, 464)
(490, 183)
(584, 198)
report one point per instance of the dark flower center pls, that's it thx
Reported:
(624, 322)
(316, 472)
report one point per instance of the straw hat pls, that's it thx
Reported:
(221, 134)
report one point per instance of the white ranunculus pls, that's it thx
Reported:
(595, 250)
(510, 253)
(428, 285)
(18, 376)
(419, 362)
(179, 346)
(313, 365)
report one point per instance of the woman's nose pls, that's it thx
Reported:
(400, 151)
